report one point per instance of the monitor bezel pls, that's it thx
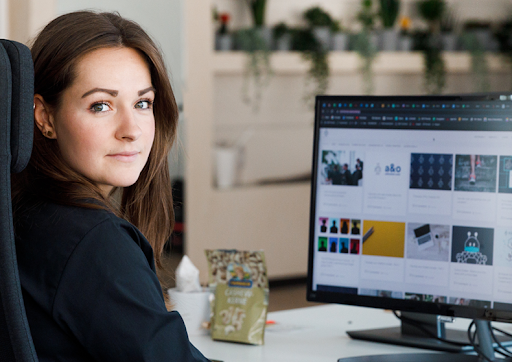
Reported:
(451, 310)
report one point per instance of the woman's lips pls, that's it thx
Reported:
(125, 156)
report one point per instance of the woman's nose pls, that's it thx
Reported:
(128, 127)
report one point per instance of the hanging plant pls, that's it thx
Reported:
(435, 73)
(258, 71)
(364, 46)
(367, 51)
(315, 54)
(479, 66)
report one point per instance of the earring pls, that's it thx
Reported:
(48, 134)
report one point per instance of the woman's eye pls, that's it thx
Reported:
(144, 104)
(99, 107)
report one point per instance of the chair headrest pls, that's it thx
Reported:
(22, 103)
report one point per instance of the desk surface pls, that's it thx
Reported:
(313, 334)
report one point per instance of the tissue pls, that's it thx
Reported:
(187, 276)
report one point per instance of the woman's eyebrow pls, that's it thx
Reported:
(148, 89)
(112, 92)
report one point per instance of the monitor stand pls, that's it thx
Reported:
(410, 335)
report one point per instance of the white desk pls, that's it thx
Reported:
(314, 334)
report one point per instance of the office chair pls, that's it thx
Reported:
(16, 134)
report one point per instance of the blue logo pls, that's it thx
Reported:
(393, 169)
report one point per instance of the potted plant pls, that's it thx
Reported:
(257, 8)
(449, 38)
(504, 38)
(257, 69)
(315, 53)
(366, 44)
(479, 66)
(223, 38)
(405, 41)
(282, 37)
(435, 73)
(320, 22)
(483, 34)
(366, 17)
(340, 38)
(389, 10)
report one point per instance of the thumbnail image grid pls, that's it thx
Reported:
(333, 228)
(343, 168)
(431, 171)
(477, 173)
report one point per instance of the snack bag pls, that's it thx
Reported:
(239, 283)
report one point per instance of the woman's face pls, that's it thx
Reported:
(105, 125)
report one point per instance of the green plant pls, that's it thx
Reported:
(367, 51)
(389, 10)
(257, 70)
(479, 65)
(435, 72)
(336, 26)
(367, 16)
(316, 16)
(313, 52)
(432, 11)
(257, 8)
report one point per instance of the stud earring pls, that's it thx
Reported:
(48, 134)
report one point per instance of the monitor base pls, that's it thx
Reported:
(395, 336)
(418, 357)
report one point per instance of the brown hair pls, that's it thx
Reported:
(56, 51)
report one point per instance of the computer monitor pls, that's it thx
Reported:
(411, 209)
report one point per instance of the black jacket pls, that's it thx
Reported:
(90, 289)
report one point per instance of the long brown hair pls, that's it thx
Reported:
(56, 51)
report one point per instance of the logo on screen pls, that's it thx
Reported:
(393, 170)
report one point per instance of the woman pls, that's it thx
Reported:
(105, 118)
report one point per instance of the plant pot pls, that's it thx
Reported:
(223, 42)
(389, 40)
(283, 43)
(405, 43)
(449, 41)
(340, 42)
(374, 40)
(227, 166)
(485, 38)
(266, 35)
(323, 35)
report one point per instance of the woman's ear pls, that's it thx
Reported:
(44, 117)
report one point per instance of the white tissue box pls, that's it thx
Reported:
(194, 308)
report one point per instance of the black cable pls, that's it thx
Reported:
(420, 326)
(505, 351)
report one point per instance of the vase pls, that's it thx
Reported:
(223, 42)
(405, 43)
(266, 34)
(449, 41)
(323, 35)
(340, 42)
(389, 40)
(283, 43)
(227, 166)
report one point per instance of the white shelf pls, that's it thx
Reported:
(290, 63)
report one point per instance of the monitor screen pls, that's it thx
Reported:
(411, 204)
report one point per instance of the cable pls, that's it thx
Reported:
(420, 326)
(473, 342)
(505, 351)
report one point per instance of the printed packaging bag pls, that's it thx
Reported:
(238, 280)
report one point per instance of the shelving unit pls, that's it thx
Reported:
(273, 217)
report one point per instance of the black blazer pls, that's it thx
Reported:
(90, 289)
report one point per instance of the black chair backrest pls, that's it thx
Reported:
(16, 133)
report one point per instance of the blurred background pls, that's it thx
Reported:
(245, 73)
